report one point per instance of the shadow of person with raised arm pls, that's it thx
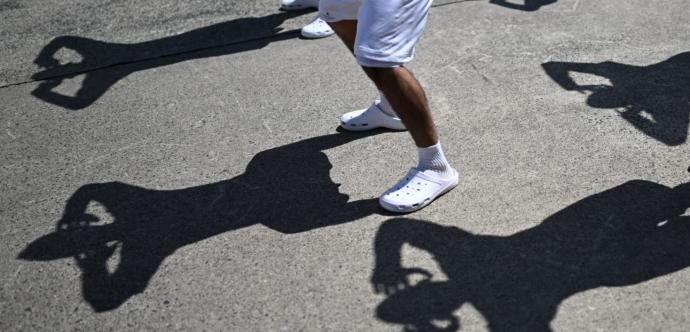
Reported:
(622, 236)
(287, 189)
(655, 99)
(527, 5)
(104, 63)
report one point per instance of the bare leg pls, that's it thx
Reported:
(409, 101)
(347, 31)
(401, 89)
(433, 176)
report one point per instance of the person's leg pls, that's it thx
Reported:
(387, 32)
(385, 42)
(409, 101)
(433, 175)
(381, 113)
(346, 31)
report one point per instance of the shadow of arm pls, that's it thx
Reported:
(560, 73)
(528, 6)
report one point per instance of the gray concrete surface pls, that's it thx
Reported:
(196, 181)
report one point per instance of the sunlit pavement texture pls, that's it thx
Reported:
(175, 165)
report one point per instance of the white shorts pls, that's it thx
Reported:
(387, 30)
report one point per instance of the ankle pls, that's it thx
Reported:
(433, 160)
(385, 106)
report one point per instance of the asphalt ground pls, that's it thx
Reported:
(177, 165)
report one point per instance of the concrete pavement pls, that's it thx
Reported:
(179, 168)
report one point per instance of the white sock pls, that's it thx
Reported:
(432, 160)
(385, 106)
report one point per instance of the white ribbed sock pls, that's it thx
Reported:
(385, 106)
(432, 160)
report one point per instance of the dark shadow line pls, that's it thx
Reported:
(452, 3)
(277, 37)
(271, 38)
(16, 84)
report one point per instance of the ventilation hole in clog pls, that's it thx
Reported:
(364, 124)
(419, 189)
(415, 205)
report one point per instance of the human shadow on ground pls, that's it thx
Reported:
(655, 99)
(104, 63)
(287, 189)
(527, 5)
(622, 236)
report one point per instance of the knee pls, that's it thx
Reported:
(380, 75)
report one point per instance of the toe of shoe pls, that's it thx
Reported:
(313, 35)
(399, 203)
(349, 116)
(309, 32)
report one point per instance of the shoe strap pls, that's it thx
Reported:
(382, 112)
(415, 173)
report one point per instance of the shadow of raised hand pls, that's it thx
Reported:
(287, 189)
(655, 99)
(93, 54)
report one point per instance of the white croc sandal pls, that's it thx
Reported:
(415, 191)
(299, 4)
(317, 28)
(370, 118)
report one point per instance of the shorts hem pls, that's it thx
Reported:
(334, 19)
(369, 59)
(366, 62)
